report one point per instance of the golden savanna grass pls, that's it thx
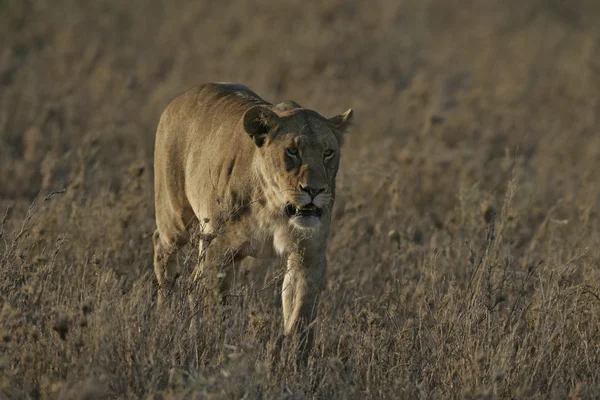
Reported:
(464, 257)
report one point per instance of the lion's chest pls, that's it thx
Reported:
(250, 230)
(269, 238)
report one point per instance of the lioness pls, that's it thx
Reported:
(260, 176)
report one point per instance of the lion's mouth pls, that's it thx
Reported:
(309, 210)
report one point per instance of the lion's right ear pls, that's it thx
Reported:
(258, 122)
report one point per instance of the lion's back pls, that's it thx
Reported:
(197, 138)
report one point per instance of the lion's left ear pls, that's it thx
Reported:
(341, 124)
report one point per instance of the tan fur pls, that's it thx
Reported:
(226, 156)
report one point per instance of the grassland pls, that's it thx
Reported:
(464, 259)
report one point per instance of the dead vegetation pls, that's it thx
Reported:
(465, 249)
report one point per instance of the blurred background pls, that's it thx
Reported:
(471, 117)
(498, 73)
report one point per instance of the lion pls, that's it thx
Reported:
(260, 178)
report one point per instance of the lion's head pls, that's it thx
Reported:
(298, 157)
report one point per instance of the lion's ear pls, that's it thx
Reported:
(341, 124)
(258, 122)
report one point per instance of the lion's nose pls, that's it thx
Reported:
(312, 192)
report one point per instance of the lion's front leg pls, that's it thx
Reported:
(302, 285)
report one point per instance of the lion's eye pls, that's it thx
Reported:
(292, 152)
(328, 154)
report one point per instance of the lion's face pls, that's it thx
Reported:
(299, 153)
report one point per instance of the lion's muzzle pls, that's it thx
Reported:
(306, 210)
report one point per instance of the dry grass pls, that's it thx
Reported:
(465, 253)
